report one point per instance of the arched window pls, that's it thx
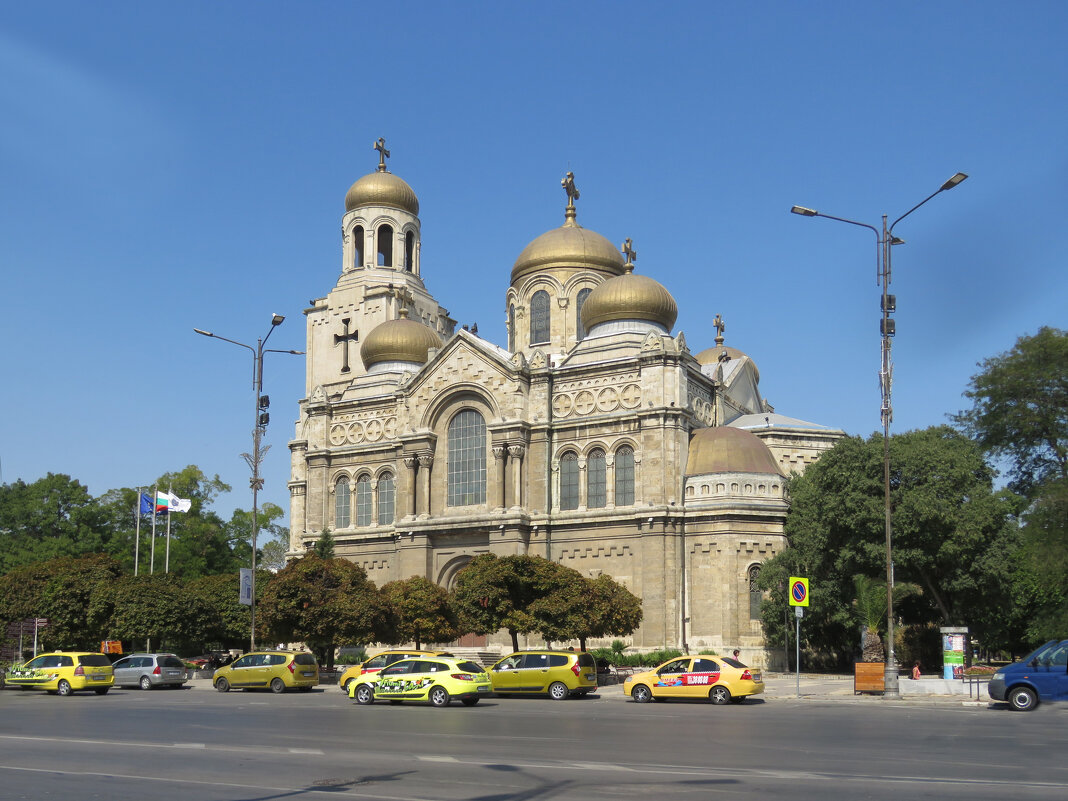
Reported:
(539, 317)
(755, 595)
(359, 239)
(341, 503)
(385, 246)
(580, 332)
(363, 501)
(387, 499)
(409, 251)
(511, 327)
(467, 459)
(596, 480)
(625, 476)
(569, 481)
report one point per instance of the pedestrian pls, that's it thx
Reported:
(916, 670)
(736, 654)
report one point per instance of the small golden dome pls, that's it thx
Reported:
(382, 189)
(400, 340)
(729, 450)
(629, 297)
(570, 245)
(711, 356)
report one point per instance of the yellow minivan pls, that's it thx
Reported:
(274, 670)
(558, 674)
(64, 672)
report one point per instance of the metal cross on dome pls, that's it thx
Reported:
(568, 183)
(629, 251)
(383, 154)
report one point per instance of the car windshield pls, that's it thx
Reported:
(94, 660)
(1034, 654)
(470, 667)
(304, 659)
(171, 662)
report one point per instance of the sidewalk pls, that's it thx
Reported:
(784, 686)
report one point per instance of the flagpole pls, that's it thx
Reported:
(167, 561)
(152, 562)
(137, 530)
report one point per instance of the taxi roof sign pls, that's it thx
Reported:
(798, 591)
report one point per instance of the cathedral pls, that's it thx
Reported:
(597, 438)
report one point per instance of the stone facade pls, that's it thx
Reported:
(570, 444)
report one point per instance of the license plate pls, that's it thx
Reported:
(756, 677)
(307, 674)
(588, 676)
(483, 689)
(97, 677)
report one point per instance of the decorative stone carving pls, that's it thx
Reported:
(654, 343)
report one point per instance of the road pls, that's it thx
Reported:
(198, 744)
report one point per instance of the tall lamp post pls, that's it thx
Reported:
(259, 450)
(884, 242)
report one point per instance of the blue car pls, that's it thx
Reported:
(1042, 675)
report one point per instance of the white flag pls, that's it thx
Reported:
(174, 503)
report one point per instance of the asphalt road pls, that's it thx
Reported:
(207, 746)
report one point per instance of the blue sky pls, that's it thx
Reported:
(166, 167)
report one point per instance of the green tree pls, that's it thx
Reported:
(423, 611)
(54, 516)
(157, 610)
(494, 593)
(229, 622)
(321, 602)
(1020, 408)
(613, 609)
(1043, 564)
(951, 533)
(272, 541)
(324, 546)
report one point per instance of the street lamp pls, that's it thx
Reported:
(259, 450)
(884, 241)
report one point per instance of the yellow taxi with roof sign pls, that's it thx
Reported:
(719, 679)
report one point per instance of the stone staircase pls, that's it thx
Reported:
(482, 656)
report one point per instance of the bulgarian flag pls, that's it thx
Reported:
(166, 502)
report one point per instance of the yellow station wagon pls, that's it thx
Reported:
(438, 680)
(64, 672)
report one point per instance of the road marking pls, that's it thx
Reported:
(438, 759)
(312, 751)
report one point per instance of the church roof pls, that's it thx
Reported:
(772, 420)
(629, 297)
(725, 449)
(400, 340)
(382, 188)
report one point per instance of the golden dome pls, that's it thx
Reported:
(629, 297)
(570, 245)
(711, 356)
(382, 189)
(729, 450)
(400, 340)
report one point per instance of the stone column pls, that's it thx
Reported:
(515, 459)
(374, 501)
(499, 452)
(410, 462)
(426, 461)
(610, 480)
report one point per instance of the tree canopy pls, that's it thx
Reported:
(1020, 408)
(953, 536)
(424, 612)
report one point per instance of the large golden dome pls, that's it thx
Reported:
(729, 450)
(400, 340)
(382, 189)
(629, 297)
(570, 245)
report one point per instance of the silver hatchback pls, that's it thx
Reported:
(149, 670)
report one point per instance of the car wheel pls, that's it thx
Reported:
(364, 694)
(146, 683)
(439, 696)
(101, 690)
(719, 695)
(641, 694)
(222, 685)
(558, 691)
(63, 688)
(345, 686)
(1023, 699)
(469, 701)
(277, 686)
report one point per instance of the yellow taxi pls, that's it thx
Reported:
(379, 661)
(277, 671)
(64, 672)
(438, 680)
(719, 679)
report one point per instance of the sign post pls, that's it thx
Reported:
(798, 600)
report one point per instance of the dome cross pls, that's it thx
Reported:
(568, 183)
(383, 154)
(629, 251)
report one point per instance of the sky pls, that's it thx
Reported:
(181, 165)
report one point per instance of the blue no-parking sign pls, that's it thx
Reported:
(798, 591)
